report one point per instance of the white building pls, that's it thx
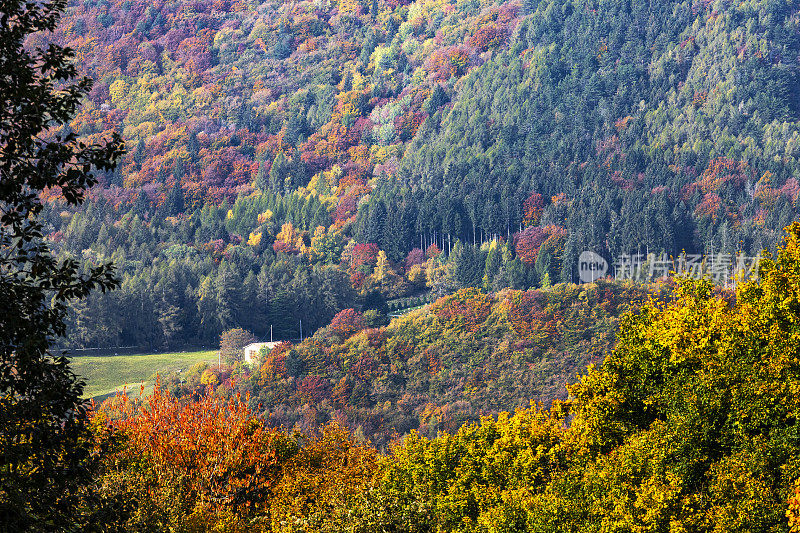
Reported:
(251, 350)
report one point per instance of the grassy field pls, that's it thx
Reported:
(104, 375)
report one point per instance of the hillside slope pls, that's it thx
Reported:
(667, 125)
(644, 125)
(461, 357)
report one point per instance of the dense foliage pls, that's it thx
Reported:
(212, 465)
(46, 451)
(274, 135)
(690, 425)
(461, 357)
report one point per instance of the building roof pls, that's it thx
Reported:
(255, 347)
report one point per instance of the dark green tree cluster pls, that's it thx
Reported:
(185, 280)
(641, 116)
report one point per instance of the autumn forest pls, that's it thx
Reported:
(399, 194)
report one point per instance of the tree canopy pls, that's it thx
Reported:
(689, 425)
(46, 454)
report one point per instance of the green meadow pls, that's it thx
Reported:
(106, 374)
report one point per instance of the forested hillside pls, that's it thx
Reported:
(689, 425)
(462, 357)
(406, 187)
(267, 142)
(660, 125)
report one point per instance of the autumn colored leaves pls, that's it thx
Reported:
(213, 464)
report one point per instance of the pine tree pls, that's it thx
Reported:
(173, 205)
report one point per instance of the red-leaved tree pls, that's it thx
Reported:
(202, 463)
(346, 322)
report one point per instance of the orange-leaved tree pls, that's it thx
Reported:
(329, 471)
(199, 465)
